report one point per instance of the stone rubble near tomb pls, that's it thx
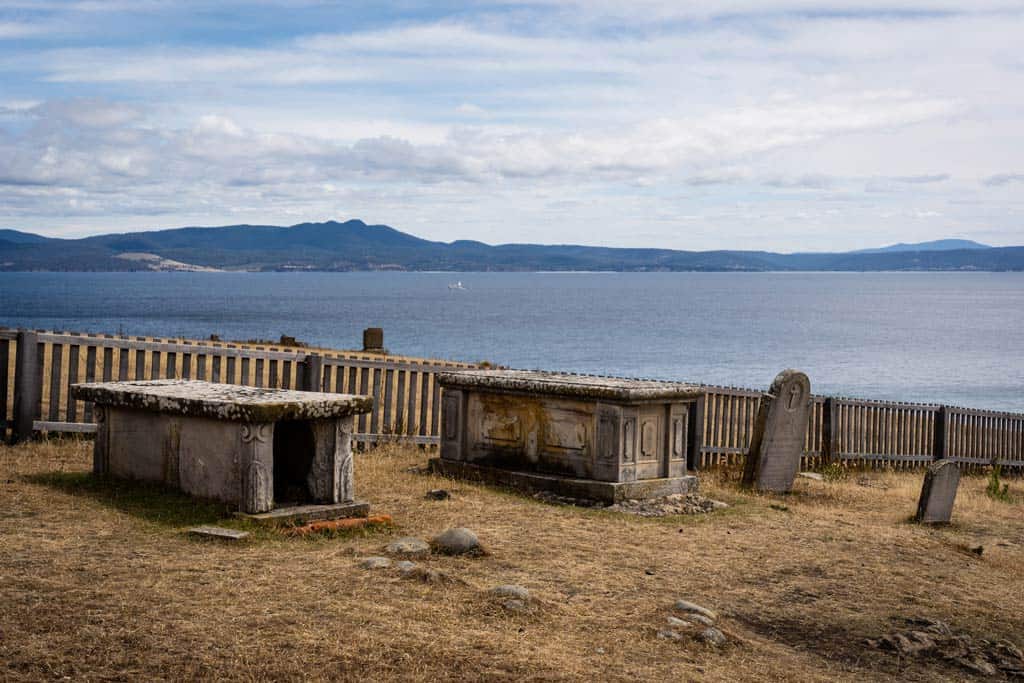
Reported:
(665, 506)
(933, 638)
(675, 504)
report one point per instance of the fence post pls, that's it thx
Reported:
(695, 429)
(828, 431)
(939, 439)
(312, 373)
(28, 386)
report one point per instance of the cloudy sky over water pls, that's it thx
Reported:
(788, 125)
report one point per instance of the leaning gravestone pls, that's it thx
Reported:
(778, 441)
(938, 493)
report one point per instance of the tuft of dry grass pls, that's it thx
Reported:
(99, 581)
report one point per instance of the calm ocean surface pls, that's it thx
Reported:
(956, 338)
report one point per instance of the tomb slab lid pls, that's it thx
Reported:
(230, 402)
(570, 385)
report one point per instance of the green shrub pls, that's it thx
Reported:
(834, 471)
(997, 490)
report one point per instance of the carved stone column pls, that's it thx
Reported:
(256, 466)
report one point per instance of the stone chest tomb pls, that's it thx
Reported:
(601, 438)
(261, 449)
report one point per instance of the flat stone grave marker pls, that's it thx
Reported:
(935, 506)
(778, 442)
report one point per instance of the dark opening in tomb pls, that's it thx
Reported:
(293, 460)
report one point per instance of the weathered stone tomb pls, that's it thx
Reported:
(941, 480)
(261, 449)
(779, 431)
(600, 438)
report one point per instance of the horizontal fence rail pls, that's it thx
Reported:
(35, 396)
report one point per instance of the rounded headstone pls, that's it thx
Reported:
(457, 541)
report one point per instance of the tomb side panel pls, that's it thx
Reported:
(208, 458)
(138, 444)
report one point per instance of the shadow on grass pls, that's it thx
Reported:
(151, 502)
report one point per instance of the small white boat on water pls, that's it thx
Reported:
(456, 285)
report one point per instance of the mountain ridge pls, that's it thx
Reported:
(355, 245)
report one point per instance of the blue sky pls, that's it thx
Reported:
(785, 125)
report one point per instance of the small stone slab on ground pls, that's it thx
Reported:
(511, 591)
(375, 563)
(408, 546)
(693, 608)
(438, 494)
(811, 475)
(220, 532)
(304, 514)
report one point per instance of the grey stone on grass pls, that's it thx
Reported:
(375, 563)
(712, 636)
(457, 541)
(679, 623)
(511, 591)
(669, 634)
(408, 546)
(694, 608)
(405, 566)
(218, 532)
(811, 475)
(515, 605)
(438, 494)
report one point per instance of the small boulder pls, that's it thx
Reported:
(811, 475)
(511, 591)
(438, 494)
(457, 541)
(712, 636)
(405, 566)
(515, 605)
(375, 563)
(408, 546)
(669, 634)
(694, 608)
(679, 623)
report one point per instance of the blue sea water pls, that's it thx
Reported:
(956, 338)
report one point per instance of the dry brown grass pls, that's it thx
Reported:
(93, 587)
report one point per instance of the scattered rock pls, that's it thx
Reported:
(511, 591)
(701, 619)
(375, 563)
(679, 623)
(457, 541)
(669, 634)
(694, 608)
(408, 546)
(811, 475)
(712, 636)
(218, 532)
(780, 508)
(515, 606)
(405, 566)
(933, 638)
(649, 572)
(438, 494)
(675, 504)
(555, 499)
(431, 576)
(599, 650)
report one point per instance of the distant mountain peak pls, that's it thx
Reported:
(933, 245)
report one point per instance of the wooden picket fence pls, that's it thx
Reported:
(37, 369)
